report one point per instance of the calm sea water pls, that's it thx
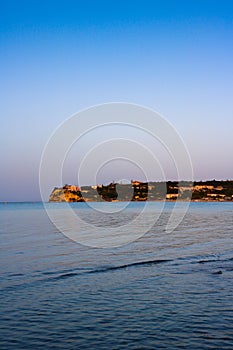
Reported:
(163, 291)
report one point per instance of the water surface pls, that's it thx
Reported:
(163, 291)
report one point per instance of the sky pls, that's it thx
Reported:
(60, 57)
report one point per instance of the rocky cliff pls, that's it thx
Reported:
(65, 195)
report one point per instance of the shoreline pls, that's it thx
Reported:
(136, 191)
(148, 201)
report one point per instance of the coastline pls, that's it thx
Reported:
(136, 191)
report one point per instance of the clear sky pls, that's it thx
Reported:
(58, 57)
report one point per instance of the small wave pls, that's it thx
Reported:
(219, 272)
(16, 274)
(204, 261)
(207, 261)
(138, 263)
(111, 268)
(65, 275)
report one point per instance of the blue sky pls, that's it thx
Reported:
(58, 57)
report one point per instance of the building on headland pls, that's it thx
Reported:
(202, 187)
(140, 191)
(108, 193)
(143, 191)
(72, 188)
(136, 183)
(171, 196)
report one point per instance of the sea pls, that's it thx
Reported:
(160, 291)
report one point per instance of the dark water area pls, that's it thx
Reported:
(163, 291)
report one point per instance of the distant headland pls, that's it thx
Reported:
(212, 190)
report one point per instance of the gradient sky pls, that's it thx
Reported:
(58, 57)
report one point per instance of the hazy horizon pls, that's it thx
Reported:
(59, 58)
